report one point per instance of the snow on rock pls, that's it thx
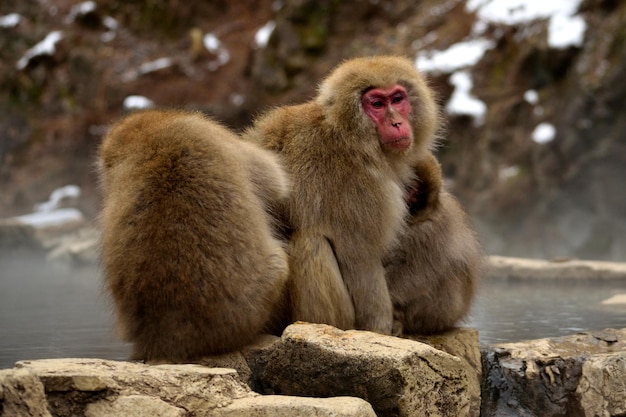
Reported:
(137, 102)
(10, 20)
(459, 55)
(262, 36)
(69, 191)
(48, 213)
(544, 133)
(81, 9)
(462, 102)
(45, 47)
(531, 97)
(215, 46)
(156, 65)
(564, 30)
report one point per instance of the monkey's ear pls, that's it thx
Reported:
(422, 194)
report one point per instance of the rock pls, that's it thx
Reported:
(398, 377)
(133, 406)
(21, 394)
(550, 377)
(73, 385)
(508, 267)
(616, 299)
(602, 386)
(286, 406)
(103, 388)
(462, 343)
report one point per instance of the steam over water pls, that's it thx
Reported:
(53, 310)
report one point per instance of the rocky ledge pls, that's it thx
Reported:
(318, 370)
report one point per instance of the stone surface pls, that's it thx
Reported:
(287, 406)
(602, 386)
(523, 268)
(462, 343)
(21, 394)
(72, 384)
(398, 377)
(551, 377)
(133, 406)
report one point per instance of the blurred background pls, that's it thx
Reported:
(534, 95)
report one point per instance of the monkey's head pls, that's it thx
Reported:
(383, 97)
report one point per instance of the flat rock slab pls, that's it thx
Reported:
(103, 388)
(398, 377)
(579, 375)
(523, 268)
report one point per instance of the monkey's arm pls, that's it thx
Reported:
(422, 194)
(317, 292)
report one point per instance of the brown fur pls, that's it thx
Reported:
(434, 271)
(347, 207)
(188, 249)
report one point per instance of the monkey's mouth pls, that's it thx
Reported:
(400, 144)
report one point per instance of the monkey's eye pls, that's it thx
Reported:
(378, 104)
(397, 99)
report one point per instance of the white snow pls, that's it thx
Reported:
(56, 217)
(157, 64)
(565, 29)
(262, 36)
(69, 191)
(45, 47)
(237, 99)
(531, 97)
(81, 9)
(214, 45)
(544, 133)
(10, 20)
(49, 214)
(462, 101)
(508, 172)
(459, 55)
(137, 102)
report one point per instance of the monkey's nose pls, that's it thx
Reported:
(396, 124)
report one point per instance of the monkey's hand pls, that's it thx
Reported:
(422, 193)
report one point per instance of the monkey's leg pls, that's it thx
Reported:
(365, 279)
(318, 293)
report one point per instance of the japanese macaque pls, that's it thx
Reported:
(433, 272)
(350, 153)
(189, 252)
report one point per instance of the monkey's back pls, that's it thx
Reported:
(188, 251)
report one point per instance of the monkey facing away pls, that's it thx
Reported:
(434, 271)
(189, 254)
(350, 154)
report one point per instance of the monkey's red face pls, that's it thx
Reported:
(389, 108)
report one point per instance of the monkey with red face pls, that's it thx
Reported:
(351, 154)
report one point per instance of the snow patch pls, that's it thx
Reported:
(137, 102)
(10, 20)
(48, 213)
(531, 97)
(214, 45)
(262, 36)
(156, 65)
(45, 47)
(462, 101)
(564, 29)
(459, 55)
(81, 9)
(509, 172)
(544, 133)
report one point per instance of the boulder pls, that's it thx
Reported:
(21, 394)
(462, 343)
(576, 376)
(398, 377)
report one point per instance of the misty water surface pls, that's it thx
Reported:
(53, 310)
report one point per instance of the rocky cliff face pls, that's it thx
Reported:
(535, 144)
